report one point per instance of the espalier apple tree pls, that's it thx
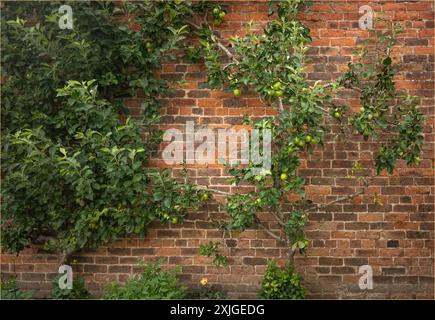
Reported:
(274, 64)
(74, 162)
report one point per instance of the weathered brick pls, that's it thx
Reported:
(330, 261)
(254, 261)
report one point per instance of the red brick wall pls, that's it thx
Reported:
(396, 239)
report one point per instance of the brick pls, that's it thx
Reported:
(419, 235)
(95, 268)
(168, 233)
(120, 251)
(393, 271)
(393, 243)
(194, 269)
(355, 261)
(120, 269)
(330, 261)
(143, 251)
(343, 270)
(254, 261)
(33, 276)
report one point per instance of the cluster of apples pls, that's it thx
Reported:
(337, 114)
(218, 15)
(370, 115)
(149, 46)
(164, 216)
(275, 90)
(300, 142)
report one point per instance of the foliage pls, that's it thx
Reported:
(152, 283)
(372, 75)
(78, 290)
(273, 63)
(206, 291)
(212, 249)
(9, 291)
(295, 232)
(281, 283)
(74, 170)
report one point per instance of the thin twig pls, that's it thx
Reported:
(65, 256)
(270, 233)
(278, 219)
(215, 191)
(350, 196)
(281, 107)
(218, 42)
(225, 49)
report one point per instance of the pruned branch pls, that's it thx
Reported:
(349, 196)
(281, 106)
(225, 49)
(278, 219)
(270, 233)
(218, 42)
(65, 256)
(215, 191)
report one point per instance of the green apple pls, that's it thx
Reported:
(278, 93)
(277, 85)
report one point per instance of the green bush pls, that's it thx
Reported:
(152, 283)
(281, 283)
(75, 171)
(78, 290)
(9, 291)
(206, 291)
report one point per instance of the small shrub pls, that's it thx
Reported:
(78, 290)
(281, 283)
(206, 291)
(152, 283)
(9, 291)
